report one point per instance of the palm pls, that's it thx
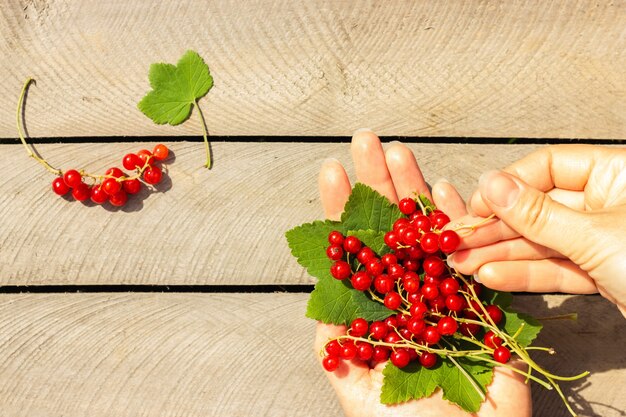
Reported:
(396, 174)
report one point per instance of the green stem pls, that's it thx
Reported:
(205, 134)
(558, 389)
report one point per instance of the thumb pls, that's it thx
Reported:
(533, 214)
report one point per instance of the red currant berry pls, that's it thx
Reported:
(330, 363)
(361, 281)
(427, 359)
(340, 270)
(430, 242)
(383, 284)
(400, 358)
(439, 220)
(119, 199)
(72, 178)
(469, 329)
(391, 322)
(98, 195)
(378, 330)
(59, 186)
(359, 327)
(333, 252)
(455, 302)
(501, 354)
(405, 333)
(414, 297)
(449, 286)
(447, 326)
(495, 313)
(152, 175)
(422, 223)
(434, 266)
(81, 192)
(411, 264)
(431, 335)
(146, 157)
(437, 304)
(449, 241)
(364, 351)
(402, 319)
(381, 354)
(389, 259)
(365, 255)
(491, 340)
(395, 271)
(411, 285)
(400, 223)
(333, 348)
(392, 239)
(335, 238)
(352, 244)
(131, 186)
(414, 253)
(114, 172)
(418, 309)
(478, 288)
(429, 291)
(160, 152)
(348, 350)
(111, 186)
(375, 267)
(392, 300)
(131, 161)
(416, 326)
(401, 254)
(409, 236)
(407, 206)
(392, 338)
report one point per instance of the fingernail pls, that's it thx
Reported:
(330, 161)
(450, 261)
(476, 278)
(395, 142)
(442, 180)
(362, 130)
(498, 188)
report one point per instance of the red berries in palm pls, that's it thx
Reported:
(334, 252)
(340, 270)
(81, 192)
(491, 340)
(72, 178)
(381, 354)
(447, 326)
(449, 241)
(495, 313)
(361, 281)
(407, 206)
(333, 348)
(152, 175)
(330, 363)
(364, 351)
(400, 358)
(422, 223)
(111, 186)
(501, 354)
(59, 186)
(392, 300)
(131, 162)
(160, 152)
(428, 359)
(359, 327)
(348, 350)
(429, 242)
(352, 244)
(335, 238)
(439, 220)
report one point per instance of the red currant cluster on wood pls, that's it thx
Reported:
(433, 304)
(114, 186)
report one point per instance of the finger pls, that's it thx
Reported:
(469, 261)
(334, 187)
(448, 199)
(485, 233)
(349, 372)
(572, 199)
(508, 394)
(370, 165)
(405, 174)
(547, 275)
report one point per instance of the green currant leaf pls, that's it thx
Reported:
(514, 320)
(366, 209)
(500, 298)
(428, 205)
(374, 240)
(336, 302)
(175, 89)
(308, 244)
(415, 382)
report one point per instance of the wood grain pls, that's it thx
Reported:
(193, 355)
(224, 226)
(322, 67)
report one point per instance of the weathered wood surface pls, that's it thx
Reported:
(203, 355)
(224, 226)
(323, 67)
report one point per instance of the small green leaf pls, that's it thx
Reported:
(374, 240)
(308, 244)
(366, 209)
(428, 205)
(415, 382)
(514, 320)
(336, 302)
(500, 298)
(175, 89)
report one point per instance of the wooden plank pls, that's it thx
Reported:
(224, 226)
(203, 355)
(417, 68)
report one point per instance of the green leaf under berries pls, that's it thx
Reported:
(308, 244)
(374, 240)
(500, 298)
(336, 302)
(428, 205)
(175, 89)
(415, 382)
(366, 209)
(514, 320)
